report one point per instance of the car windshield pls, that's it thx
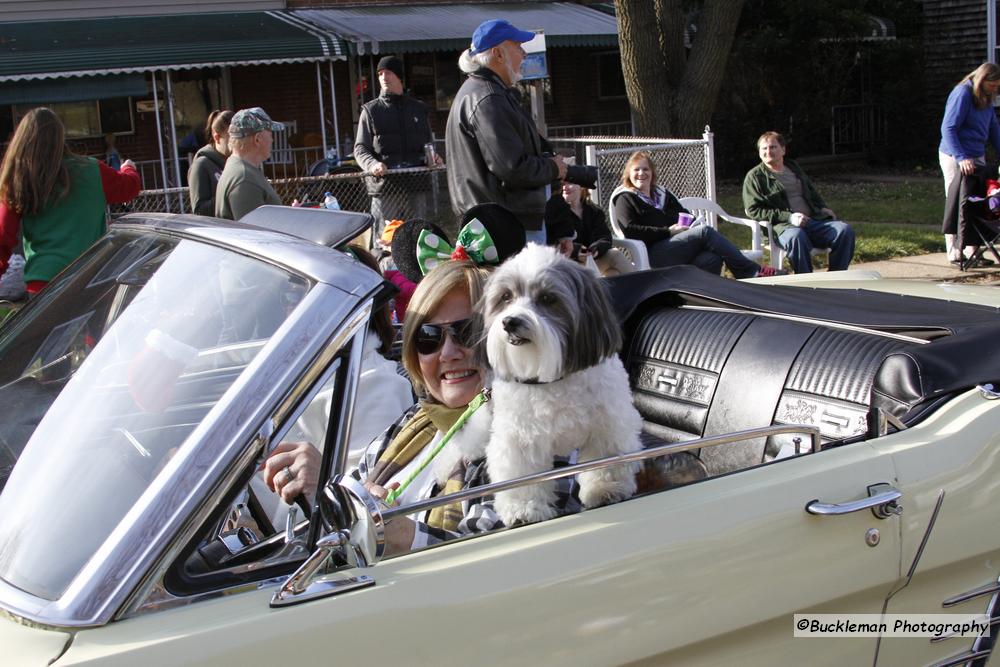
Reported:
(105, 377)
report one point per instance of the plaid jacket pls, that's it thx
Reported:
(478, 515)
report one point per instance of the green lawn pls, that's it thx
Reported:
(896, 219)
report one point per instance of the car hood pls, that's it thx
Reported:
(27, 645)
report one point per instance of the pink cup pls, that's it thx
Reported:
(685, 219)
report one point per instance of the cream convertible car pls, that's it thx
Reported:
(844, 444)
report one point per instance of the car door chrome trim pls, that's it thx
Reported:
(881, 501)
(988, 589)
(961, 658)
(569, 471)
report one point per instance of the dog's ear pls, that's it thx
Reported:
(599, 334)
(479, 356)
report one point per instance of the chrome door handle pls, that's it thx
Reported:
(882, 501)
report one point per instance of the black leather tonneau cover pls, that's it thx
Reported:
(964, 355)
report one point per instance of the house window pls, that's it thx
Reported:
(610, 81)
(92, 118)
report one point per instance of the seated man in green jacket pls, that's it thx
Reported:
(779, 192)
(243, 186)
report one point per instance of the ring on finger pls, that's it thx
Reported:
(289, 475)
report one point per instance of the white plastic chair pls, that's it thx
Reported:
(699, 206)
(633, 249)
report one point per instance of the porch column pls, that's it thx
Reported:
(173, 138)
(322, 115)
(159, 139)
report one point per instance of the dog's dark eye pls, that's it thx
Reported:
(546, 298)
(506, 296)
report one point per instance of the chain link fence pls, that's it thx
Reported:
(684, 166)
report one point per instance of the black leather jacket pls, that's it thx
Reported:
(494, 152)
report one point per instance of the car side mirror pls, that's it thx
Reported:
(356, 535)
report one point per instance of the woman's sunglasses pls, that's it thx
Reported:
(430, 337)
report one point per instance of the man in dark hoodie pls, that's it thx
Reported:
(392, 131)
(494, 149)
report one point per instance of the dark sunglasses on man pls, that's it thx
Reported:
(430, 337)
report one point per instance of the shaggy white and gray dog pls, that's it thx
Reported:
(552, 340)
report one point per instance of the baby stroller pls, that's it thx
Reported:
(972, 212)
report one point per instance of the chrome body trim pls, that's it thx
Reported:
(961, 659)
(825, 323)
(988, 589)
(569, 471)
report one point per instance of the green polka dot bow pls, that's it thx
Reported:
(473, 243)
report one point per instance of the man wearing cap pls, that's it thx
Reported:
(242, 186)
(392, 132)
(495, 151)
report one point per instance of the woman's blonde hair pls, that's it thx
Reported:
(431, 292)
(978, 76)
(632, 159)
(33, 174)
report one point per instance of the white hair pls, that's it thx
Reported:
(470, 63)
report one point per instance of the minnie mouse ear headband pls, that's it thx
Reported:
(489, 235)
(404, 246)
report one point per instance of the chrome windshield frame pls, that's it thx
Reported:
(150, 527)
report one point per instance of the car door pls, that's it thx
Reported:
(954, 451)
(710, 573)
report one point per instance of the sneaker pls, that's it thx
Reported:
(770, 272)
(12, 286)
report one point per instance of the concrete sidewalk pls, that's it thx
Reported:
(934, 267)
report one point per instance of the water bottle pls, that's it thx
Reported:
(330, 202)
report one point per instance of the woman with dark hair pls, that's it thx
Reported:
(649, 213)
(969, 122)
(55, 197)
(579, 228)
(209, 162)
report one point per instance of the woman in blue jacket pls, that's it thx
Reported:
(969, 122)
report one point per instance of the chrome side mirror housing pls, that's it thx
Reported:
(344, 503)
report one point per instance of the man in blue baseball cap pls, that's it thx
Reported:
(495, 151)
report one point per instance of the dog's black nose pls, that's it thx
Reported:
(511, 323)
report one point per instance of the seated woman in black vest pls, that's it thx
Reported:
(648, 212)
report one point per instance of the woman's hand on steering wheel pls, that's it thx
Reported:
(291, 469)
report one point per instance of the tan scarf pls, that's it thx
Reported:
(425, 423)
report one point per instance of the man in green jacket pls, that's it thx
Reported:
(243, 186)
(779, 192)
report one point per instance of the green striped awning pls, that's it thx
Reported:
(54, 49)
(407, 28)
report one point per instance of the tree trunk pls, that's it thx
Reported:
(643, 66)
(706, 65)
(673, 92)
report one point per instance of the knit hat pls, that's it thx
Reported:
(247, 122)
(391, 63)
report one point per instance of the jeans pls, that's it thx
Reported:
(798, 242)
(705, 248)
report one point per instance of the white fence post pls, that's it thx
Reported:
(710, 193)
(591, 159)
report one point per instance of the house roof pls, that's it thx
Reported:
(68, 48)
(407, 28)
